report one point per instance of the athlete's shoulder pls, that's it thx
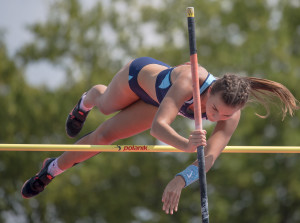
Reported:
(183, 71)
(203, 74)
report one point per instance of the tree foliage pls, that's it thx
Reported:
(259, 38)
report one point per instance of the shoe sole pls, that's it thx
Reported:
(44, 163)
(73, 136)
(70, 136)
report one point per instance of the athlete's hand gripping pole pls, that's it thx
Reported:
(197, 112)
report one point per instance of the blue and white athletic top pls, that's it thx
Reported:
(163, 84)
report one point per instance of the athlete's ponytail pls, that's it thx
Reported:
(237, 91)
(273, 89)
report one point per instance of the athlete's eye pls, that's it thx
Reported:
(214, 108)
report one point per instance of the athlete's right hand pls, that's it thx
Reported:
(171, 195)
(196, 138)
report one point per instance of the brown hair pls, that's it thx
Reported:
(237, 91)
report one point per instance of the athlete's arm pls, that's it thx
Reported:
(220, 138)
(161, 129)
(215, 145)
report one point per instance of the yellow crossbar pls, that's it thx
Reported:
(140, 148)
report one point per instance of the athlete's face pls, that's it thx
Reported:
(217, 110)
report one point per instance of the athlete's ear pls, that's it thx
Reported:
(209, 90)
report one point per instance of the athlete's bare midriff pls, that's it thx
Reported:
(147, 78)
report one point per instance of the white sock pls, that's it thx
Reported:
(82, 106)
(53, 168)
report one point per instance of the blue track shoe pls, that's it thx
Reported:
(75, 120)
(37, 184)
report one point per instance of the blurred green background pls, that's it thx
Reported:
(256, 38)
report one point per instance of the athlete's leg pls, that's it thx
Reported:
(116, 96)
(128, 122)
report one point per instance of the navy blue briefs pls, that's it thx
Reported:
(135, 67)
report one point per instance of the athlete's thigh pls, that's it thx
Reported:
(130, 121)
(118, 94)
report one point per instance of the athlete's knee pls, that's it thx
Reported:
(103, 138)
(98, 90)
(98, 93)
